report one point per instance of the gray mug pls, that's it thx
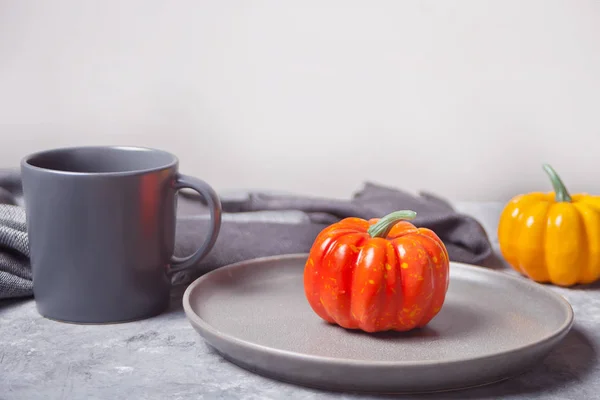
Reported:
(101, 227)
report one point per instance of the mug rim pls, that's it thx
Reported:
(25, 161)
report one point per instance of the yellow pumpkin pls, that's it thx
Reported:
(552, 237)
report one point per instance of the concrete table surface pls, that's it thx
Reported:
(164, 358)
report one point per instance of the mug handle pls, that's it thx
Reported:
(214, 204)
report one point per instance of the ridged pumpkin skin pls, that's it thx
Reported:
(395, 282)
(552, 237)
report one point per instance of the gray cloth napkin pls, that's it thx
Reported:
(254, 225)
(15, 272)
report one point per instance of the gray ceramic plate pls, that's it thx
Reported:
(492, 326)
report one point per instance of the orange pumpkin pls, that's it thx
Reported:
(377, 275)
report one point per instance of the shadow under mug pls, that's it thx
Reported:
(101, 227)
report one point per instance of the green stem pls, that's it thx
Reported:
(385, 224)
(559, 187)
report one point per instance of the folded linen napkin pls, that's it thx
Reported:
(15, 272)
(255, 224)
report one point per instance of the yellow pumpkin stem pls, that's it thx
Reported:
(562, 195)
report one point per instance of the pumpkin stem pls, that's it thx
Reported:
(385, 224)
(562, 195)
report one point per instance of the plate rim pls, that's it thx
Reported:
(557, 334)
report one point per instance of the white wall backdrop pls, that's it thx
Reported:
(464, 98)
